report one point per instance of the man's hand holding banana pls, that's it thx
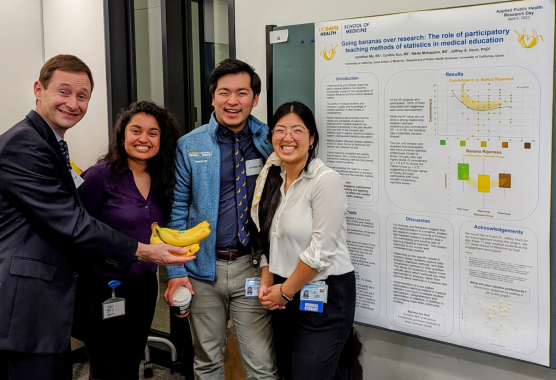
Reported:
(163, 254)
(181, 248)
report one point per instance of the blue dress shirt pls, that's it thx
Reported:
(226, 231)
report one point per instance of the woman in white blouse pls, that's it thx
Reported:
(300, 207)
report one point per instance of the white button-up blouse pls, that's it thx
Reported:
(310, 225)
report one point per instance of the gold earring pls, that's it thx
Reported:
(311, 146)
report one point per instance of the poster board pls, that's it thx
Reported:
(422, 184)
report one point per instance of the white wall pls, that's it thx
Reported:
(32, 31)
(77, 27)
(21, 47)
(148, 51)
(386, 355)
(390, 356)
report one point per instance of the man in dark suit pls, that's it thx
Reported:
(45, 234)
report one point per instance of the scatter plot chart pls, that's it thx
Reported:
(499, 295)
(464, 144)
(498, 323)
(486, 109)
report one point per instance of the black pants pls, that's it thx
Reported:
(115, 346)
(308, 345)
(24, 366)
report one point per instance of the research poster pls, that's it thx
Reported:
(440, 123)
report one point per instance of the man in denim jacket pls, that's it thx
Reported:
(207, 183)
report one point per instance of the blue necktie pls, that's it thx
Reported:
(241, 194)
(64, 148)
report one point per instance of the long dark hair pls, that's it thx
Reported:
(162, 166)
(270, 197)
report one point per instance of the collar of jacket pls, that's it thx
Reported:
(46, 132)
(42, 127)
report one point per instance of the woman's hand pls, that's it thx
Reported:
(267, 279)
(272, 297)
(263, 291)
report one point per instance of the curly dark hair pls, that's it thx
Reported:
(162, 166)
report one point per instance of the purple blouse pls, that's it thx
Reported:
(116, 201)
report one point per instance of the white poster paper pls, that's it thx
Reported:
(440, 123)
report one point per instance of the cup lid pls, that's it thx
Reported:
(182, 295)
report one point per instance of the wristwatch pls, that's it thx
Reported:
(135, 260)
(287, 298)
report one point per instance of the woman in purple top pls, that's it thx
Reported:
(130, 188)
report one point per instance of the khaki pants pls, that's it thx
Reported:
(213, 304)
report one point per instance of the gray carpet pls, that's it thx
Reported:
(81, 372)
(161, 320)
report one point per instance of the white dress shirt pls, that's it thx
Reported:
(310, 225)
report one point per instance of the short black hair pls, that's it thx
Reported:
(234, 66)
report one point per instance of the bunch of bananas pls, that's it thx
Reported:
(188, 239)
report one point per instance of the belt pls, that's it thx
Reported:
(232, 254)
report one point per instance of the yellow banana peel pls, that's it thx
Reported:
(203, 224)
(524, 39)
(191, 250)
(328, 54)
(155, 238)
(183, 238)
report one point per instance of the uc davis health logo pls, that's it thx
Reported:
(328, 54)
(331, 30)
(526, 41)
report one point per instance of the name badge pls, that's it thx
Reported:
(315, 291)
(313, 297)
(77, 180)
(252, 286)
(253, 167)
(114, 307)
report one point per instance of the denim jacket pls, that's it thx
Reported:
(197, 191)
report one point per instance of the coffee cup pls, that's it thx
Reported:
(182, 302)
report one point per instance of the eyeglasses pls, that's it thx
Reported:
(279, 133)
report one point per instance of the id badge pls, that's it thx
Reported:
(113, 307)
(315, 291)
(252, 286)
(254, 167)
(313, 296)
(77, 180)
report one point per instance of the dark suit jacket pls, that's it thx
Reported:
(44, 236)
